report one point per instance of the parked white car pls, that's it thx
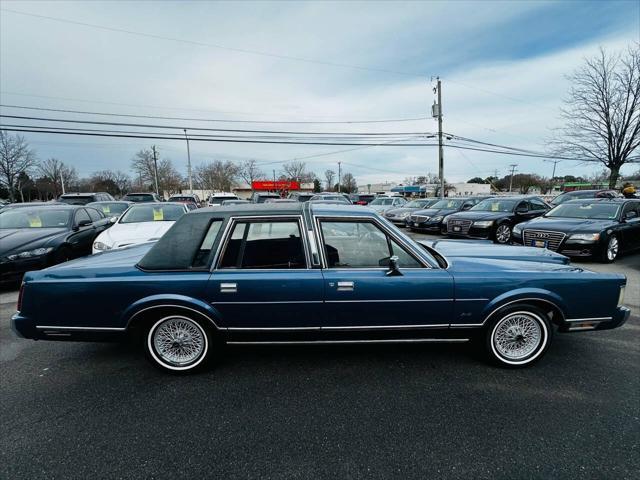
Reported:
(140, 223)
(219, 197)
(382, 204)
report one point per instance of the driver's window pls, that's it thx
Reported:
(82, 216)
(361, 245)
(522, 207)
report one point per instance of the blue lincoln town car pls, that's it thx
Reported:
(312, 274)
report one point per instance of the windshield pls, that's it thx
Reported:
(153, 213)
(40, 218)
(494, 205)
(448, 204)
(182, 199)
(418, 203)
(333, 198)
(382, 201)
(110, 208)
(564, 197)
(218, 199)
(600, 211)
(138, 197)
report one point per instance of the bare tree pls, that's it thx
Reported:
(249, 172)
(296, 170)
(15, 158)
(58, 173)
(329, 177)
(217, 176)
(349, 184)
(602, 111)
(142, 165)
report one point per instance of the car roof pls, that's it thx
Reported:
(109, 201)
(63, 205)
(600, 200)
(77, 194)
(140, 193)
(253, 209)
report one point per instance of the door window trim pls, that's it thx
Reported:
(234, 220)
(317, 219)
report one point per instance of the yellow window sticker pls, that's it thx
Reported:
(158, 215)
(106, 209)
(495, 207)
(35, 222)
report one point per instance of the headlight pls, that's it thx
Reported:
(437, 219)
(589, 237)
(30, 253)
(101, 246)
(483, 223)
(403, 215)
(517, 230)
(621, 296)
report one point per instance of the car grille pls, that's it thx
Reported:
(553, 239)
(419, 218)
(464, 225)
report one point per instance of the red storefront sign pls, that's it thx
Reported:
(277, 185)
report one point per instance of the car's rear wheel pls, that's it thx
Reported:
(518, 336)
(178, 344)
(503, 234)
(611, 250)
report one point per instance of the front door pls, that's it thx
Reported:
(359, 292)
(263, 279)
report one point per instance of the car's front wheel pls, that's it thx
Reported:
(177, 343)
(518, 336)
(611, 250)
(503, 234)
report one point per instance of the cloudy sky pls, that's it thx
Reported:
(502, 66)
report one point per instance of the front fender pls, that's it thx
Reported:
(170, 300)
(523, 295)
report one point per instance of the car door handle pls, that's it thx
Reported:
(228, 287)
(345, 286)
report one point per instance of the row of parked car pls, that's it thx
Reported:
(602, 227)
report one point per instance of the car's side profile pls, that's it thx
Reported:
(305, 273)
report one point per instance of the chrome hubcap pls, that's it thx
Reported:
(178, 341)
(517, 336)
(503, 234)
(612, 248)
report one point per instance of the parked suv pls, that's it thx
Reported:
(142, 197)
(84, 198)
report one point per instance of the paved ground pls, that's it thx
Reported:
(95, 410)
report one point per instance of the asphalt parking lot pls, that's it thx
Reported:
(99, 410)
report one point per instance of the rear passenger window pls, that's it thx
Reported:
(265, 245)
(203, 253)
(94, 214)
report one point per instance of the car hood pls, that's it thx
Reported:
(485, 265)
(430, 212)
(135, 232)
(569, 225)
(455, 249)
(481, 215)
(400, 210)
(24, 238)
(380, 208)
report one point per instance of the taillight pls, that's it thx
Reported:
(19, 305)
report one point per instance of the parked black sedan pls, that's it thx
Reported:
(432, 218)
(601, 228)
(32, 238)
(494, 218)
(399, 215)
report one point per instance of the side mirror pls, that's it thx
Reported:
(466, 207)
(522, 210)
(394, 270)
(113, 220)
(83, 223)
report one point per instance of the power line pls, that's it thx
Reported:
(217, 120)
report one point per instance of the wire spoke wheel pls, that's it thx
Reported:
(503, 234)
(178, 341)
(517, 336)
(612, 249)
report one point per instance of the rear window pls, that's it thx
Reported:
(139, 197)
(76, 199)
(187, 245)
(157, 212)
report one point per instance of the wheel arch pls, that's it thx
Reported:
(547, 301)
(144, 310)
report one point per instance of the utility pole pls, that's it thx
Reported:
(555, 162)
(62, 182)
(188, 162)
(339, 175)
(440, 147)
(155, 167)
(513, 169)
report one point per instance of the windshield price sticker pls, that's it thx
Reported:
(158, 215)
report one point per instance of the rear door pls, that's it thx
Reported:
(263, 279)
(630, 227)
(359, 292)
